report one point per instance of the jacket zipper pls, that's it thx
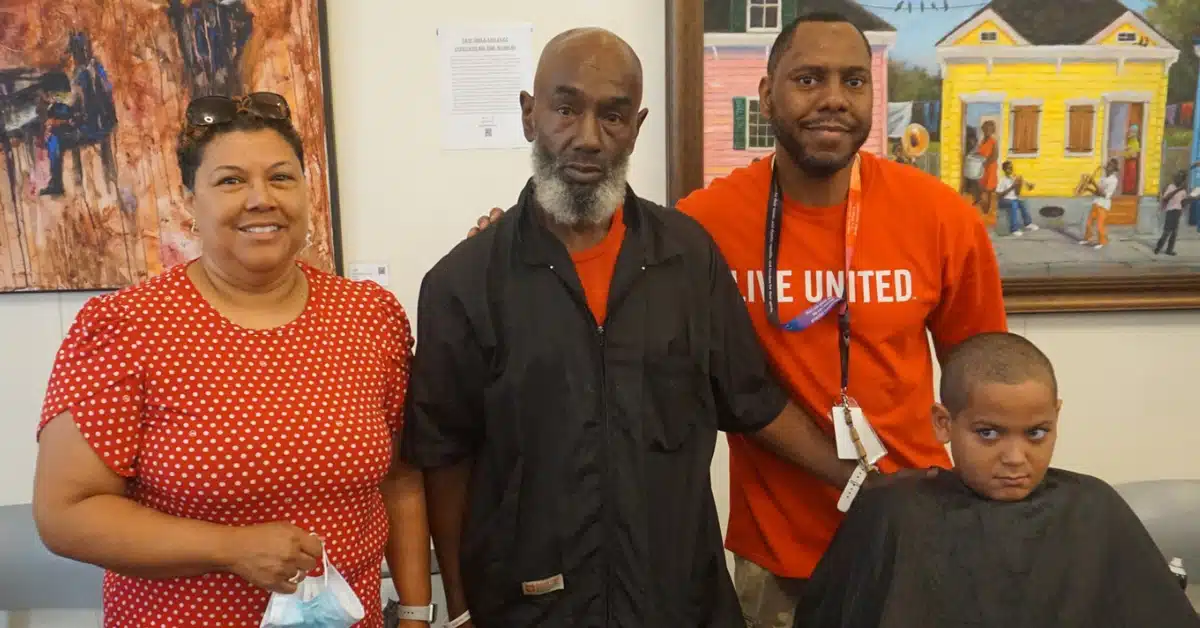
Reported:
(614, 301)
(606, 509)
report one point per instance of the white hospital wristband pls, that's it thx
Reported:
(851, 491)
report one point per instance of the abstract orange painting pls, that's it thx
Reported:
(92, 96)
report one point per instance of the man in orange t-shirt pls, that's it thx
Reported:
(921, 260)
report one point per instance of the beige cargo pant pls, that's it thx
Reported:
(767, 600)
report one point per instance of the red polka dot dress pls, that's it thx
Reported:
(215, 422)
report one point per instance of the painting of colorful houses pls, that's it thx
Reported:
(1028, 107)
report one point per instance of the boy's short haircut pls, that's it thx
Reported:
(992, 358)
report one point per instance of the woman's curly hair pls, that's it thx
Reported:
(194, 139)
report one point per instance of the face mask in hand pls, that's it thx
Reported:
(325, 602)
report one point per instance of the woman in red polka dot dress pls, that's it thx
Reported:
(208, 432)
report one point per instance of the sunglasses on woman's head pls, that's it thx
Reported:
(210, 110)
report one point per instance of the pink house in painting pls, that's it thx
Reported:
(737, 39)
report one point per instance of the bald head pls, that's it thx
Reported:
(583, 119)
(587, 50)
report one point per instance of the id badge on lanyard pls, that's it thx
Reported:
(856, 439)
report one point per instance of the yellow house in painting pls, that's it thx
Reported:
(1067, 85)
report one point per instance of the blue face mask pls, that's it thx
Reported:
(324, 602)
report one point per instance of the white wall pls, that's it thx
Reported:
(405, 201)
(1126, 379)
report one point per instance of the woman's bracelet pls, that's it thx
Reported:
(460, 620)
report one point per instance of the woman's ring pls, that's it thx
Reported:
(297, 578)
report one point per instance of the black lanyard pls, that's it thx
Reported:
(816, 311)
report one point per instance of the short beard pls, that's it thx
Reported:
(817, 167)
(573, 204)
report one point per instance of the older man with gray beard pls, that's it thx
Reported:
(562, 188)
(574, 365)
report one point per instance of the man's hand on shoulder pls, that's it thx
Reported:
(485, 221)
(879, 480)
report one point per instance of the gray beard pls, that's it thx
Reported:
(571, 204)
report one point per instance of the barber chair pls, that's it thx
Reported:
(1170, 510)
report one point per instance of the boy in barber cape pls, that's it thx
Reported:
(1002, 539)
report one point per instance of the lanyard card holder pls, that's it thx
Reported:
(856, 439)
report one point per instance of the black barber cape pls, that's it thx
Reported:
(590, 504)
(930, 553)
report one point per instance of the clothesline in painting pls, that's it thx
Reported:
(928, 113)
(931, 5)
(1181, 114)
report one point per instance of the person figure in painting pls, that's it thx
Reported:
(1171, 203)
(921, 264)
(1102, 195)
(83, 115)
(897, 150)
(970, 181)
(212, 38)
(574, 365)
(989, 150)
(1008, 188)
(1004, 539)
(210, 435)
(1193, 201)
(1132, 156)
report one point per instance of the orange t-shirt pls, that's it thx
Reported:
(923, 261)
(595, 266)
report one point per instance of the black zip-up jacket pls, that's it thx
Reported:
(592, 441)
